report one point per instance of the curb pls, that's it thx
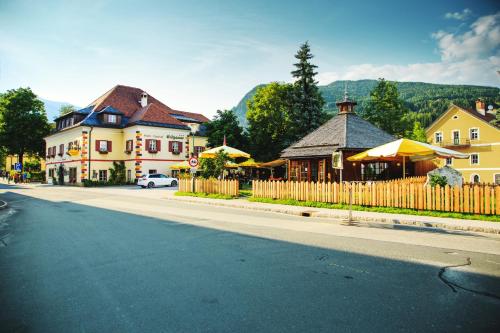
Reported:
(3, 204)
(310, 212)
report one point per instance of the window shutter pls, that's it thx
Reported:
(97, 145)
(61, 148)
(180, 146)
(170, 146)
(158, 145)
(110, 146)
(148, 144)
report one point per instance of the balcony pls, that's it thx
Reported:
(455, 143)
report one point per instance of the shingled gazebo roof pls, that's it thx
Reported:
(345, 131)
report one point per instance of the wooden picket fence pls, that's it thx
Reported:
(215, 186)
(476, 199)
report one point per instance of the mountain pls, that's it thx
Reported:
(426, 100)
(240, 110)
(52, 108)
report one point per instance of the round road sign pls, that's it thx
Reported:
(193, 162)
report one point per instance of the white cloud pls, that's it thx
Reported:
(472, 57)
(464, 14)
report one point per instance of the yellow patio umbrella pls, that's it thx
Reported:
(230, 151)
(250, 163)
(231, 165)
(415, 150)
(184, 165)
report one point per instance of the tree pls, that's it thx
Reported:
(496, 121)
(214, 167)
(23, 123)
(270, 120)
(385, 109)
(418, 133)
(65, 109)
(225, 123)
(117, 173)
(307, 100)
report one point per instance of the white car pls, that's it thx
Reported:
(155, 180)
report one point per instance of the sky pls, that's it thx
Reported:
(200, 56)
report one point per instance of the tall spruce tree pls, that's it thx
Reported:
(308, 103)
(385, 109)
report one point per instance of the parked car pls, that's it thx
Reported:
(155, 180)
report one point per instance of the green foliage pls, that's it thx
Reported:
(385, 109)
(308, 103)
(496, 121)
(204, 195)
(32, 165)
(23, 123)
(38, 176)
(60, 175)
(270, 120)
(226, 123)
(390, 210)
(435, 179)
(214, 167)
(65, 109)
(426, 101)
(117, 173)
(418, 133)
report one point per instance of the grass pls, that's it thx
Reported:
(245, 193)
(204, 195)
(391, 210)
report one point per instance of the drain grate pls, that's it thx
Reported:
(307, 213)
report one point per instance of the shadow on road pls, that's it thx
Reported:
(72, 267)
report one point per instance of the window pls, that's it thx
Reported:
(61, 149)
(151, 172)
(152, 145)
(474, 133)
(456, 137)
(374, 171)
(129, 146)
(70, 145)
(198, 150)
(475, 178)
(51, 173)
(175, 147)
(103, 146)
(111, 118)
(449, 161)
(496, 178)
(438, 137)
(129, 175)
(474, 159)
(103, 175)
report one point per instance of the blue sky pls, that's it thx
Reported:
(201, 56)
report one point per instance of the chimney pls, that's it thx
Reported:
(480, 107)
(144, 99)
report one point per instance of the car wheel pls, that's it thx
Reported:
(151, 185)
(143, 186)
(173, 183)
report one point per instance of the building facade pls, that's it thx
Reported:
(310, 159)
(125, 124)
(470, 132)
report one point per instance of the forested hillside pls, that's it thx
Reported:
(427, 100)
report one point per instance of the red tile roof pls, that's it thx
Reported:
(127, 99)
(154, 113)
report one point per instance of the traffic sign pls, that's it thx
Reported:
(18, 167)
(193, 162)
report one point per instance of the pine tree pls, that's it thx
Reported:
(307, 101)
(496, 121)
(385, 109)
(418, 133)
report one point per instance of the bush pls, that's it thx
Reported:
(435, 179)
(38, 176)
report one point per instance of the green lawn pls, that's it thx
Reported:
(392, 210)
(203, 195)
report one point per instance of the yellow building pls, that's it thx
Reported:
(470, 132)
(10, 160)
(125, 124)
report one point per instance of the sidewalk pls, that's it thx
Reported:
(358, 216)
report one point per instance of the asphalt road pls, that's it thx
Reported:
(77, 260)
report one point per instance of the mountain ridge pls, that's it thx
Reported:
(426, 100)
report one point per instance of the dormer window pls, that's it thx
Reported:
(112, 118)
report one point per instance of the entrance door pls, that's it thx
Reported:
(72, 175)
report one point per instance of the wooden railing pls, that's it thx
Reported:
(226, 187)
(476, 199)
